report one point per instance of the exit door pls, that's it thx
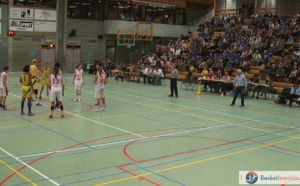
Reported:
(48, 55)
(73, 55)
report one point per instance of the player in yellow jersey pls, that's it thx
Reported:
(35, 80)
(45, 71)
(27, 89)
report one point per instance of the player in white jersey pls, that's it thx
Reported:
(57, 88)
(99, 81)
(3, 87)
(78, 81)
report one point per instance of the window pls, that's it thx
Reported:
(85, 9)
(36, 3)
(4, 2)
(121, 10)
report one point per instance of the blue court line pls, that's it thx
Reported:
(213, 129)
(24, 130)
(187, 158)
(193, 156)
(30, 121)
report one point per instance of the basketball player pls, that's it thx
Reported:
(27, 89)
(99, 81)
(78, 81)
(35, 80)
(45, 71)
(3, 87)
(57, 88)
(60, 73)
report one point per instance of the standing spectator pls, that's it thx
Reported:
(241, 81)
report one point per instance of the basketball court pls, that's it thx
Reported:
(145, 138)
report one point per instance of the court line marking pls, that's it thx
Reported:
(125, 141)
(94, 121)
(25, 164)
(195, 162)
(84, 118)
(15, 171)
(197, 108)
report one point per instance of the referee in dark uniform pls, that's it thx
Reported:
(241, 81)
(173, 84)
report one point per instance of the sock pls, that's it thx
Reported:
(3, 106)
(22, 106)
(29, 107)
(62, 110)
(51, 110)
(0, 105)
(37, 100)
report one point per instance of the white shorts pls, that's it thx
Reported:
(99, 93)
(56, 92)
(78, 85)
(2, 91)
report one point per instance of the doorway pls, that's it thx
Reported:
(73, 56)
(48, 55)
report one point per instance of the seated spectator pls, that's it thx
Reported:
(157, 75)
(272, 71)
(209, 76)
(268, 89)
(255, 88)
(280, 74)
(290, 40)
(256, 60)
(227, 85)
(294, 94)
(293, 76)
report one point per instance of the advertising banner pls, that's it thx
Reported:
(21, 13)
(47, 15)
(21, 25)
(44, 26)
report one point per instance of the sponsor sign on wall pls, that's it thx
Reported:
(49, 15)
(21, 25)
(44, 26)
(21, 13)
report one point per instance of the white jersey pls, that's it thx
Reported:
(1, 79)
(100, 81)
(78, 75)
(55, 83)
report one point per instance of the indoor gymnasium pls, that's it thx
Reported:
(141, 92)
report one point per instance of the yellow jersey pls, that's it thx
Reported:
(46, 72)
(25, 79)
(32, 71)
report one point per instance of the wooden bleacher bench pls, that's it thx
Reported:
(248, 76)
(255, 72)
(259, 68)
(197, 74)
(279, 86)
(276, 58)
(185, 73)
(179, 77)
